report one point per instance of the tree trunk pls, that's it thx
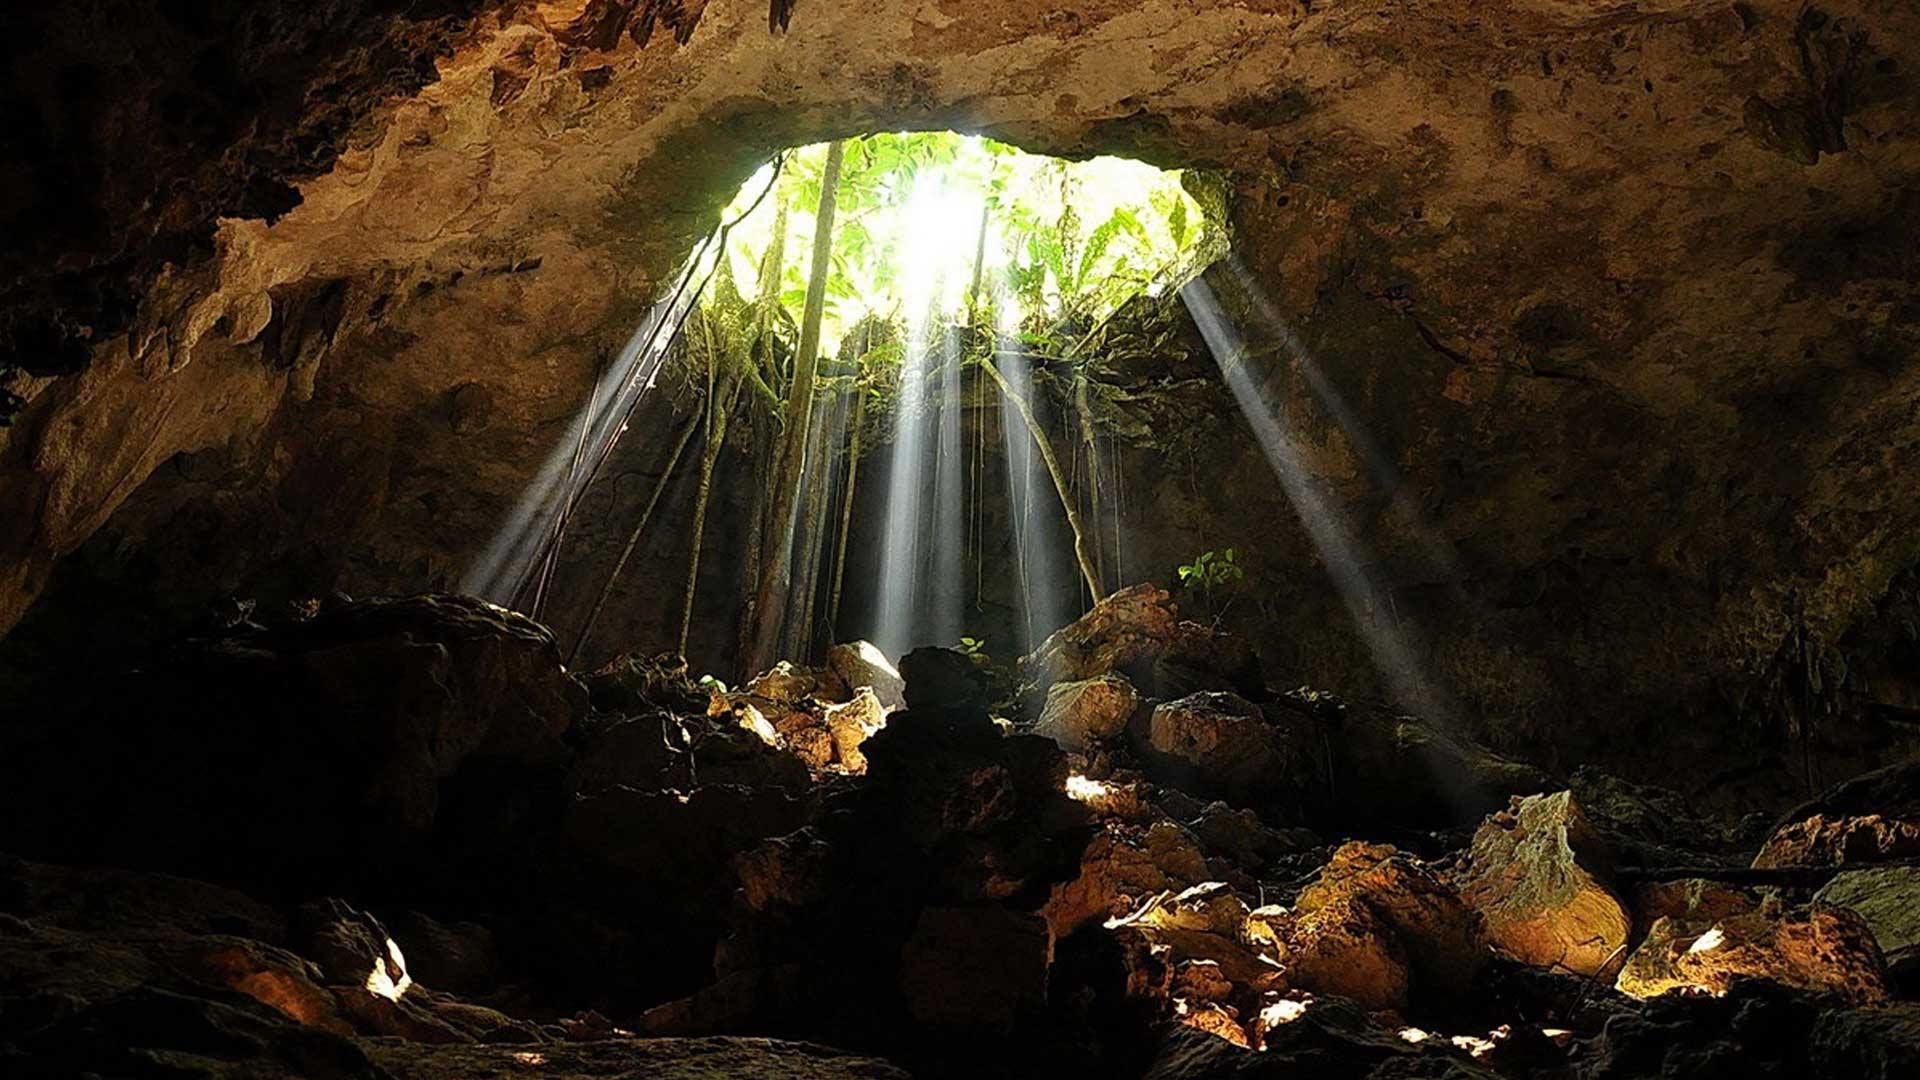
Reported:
(811, 535)
(1045, 446)
(776, 564)
(721, 395)
(846, 510)
(633, 541)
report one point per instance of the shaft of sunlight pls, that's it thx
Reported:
(1384, 473)
(513, 555)
(1339, 550)
(1036, 558)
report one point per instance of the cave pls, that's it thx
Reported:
(1178, 538)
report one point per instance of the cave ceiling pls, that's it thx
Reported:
(1626, 289)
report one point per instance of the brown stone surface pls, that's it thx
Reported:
(1840, 841)
(1080, 713)
(1822, 949)
(1137, 623)
(1537, 874)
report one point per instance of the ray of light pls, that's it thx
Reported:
(1444, 560)
(1340, 551)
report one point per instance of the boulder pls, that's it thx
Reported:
(943, 679)
(1221, 744)
(1434, 929)
(1822, 949)
(860, 663)
(849, 725)
(1119, 869)
(1854, 840)
(1888, 899)
(1133, 625)
(1343, 948)
(1324, 1038)
(1080, 713)
(1538, 875)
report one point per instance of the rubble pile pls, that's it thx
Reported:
(1140, 860)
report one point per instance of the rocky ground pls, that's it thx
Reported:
(396, 838)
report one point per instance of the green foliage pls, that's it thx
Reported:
(1211, 570)
(974, 647)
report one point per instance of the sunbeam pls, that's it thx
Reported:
(1340, 551)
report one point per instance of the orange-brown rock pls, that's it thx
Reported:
(1823, 840)
(1119, 869)
(1440, 936)
(1137, 623)
(1221, 743)
(1537, 874)
(1822, 949)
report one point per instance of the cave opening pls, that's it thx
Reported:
(953, 328)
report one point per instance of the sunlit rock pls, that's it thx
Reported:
(1132, 625)
(861, 663)
(1537, 874)
(1823, 949)
(849, 725)
(1121, 867)
(1440, 936)
(1079, 714)
(1689, 900)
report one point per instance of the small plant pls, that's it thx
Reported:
(974, 647)
(1213, 571)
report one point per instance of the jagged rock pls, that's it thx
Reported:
(1081, 713)
(1822, 949)
(1398, 770)
(1204, 923)
(1840, 841)
(351, 948)
(1221, 743)
(850, 725)
(1538, 874)
(1888, 899)
(977, 968)
(1132, 625)
(1438, 934)
(861, 663)
(943, 679)
(1120, 867)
